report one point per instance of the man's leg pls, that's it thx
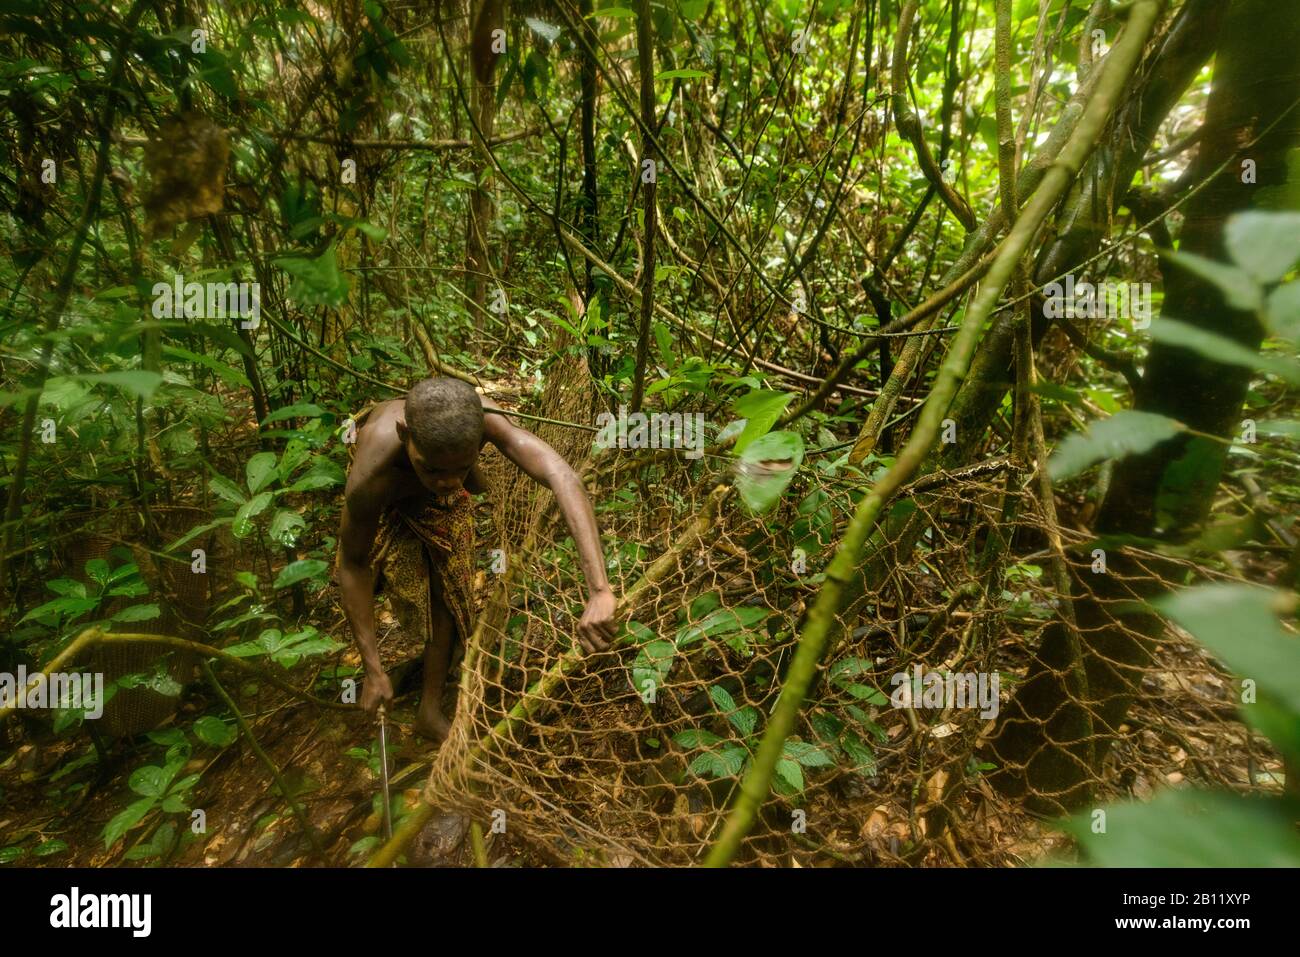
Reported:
(430, 720)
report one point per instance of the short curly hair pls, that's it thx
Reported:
(444, 414)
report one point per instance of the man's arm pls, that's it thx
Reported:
(357, 590)
(546, 467)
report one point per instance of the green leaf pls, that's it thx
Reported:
(864, 760)
(126, 820)
(790, 774)
(302, 410)
(298, 571)
(226, 337)
(149, 781)
(259, 470)
(1265, 244)
(1124, 433)
(1239, 625)
(316, 282)
(68, 587)
(1239, 289)
(285, 527)
(847, 668)
(722, 699)
(168, 737)
(653, 662)
(704, 604)
(767, 467)
(760, 409)
(1222, 350)
(46, 848)
(323, 473)
(213, 731)
(723, 763)
(138, 382)
(243, 524)
(723, 621)
(809, 755)
(228, 373)
(67, 608)
(1283, 312)
(222, 487)
(743, 719)
(137, 613)
(1286, 428)
(695, 738)
(97, 570)
(1190, 829)
(682, 74)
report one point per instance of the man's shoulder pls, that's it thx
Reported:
(372, 457)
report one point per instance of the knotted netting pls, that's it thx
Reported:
(633, 756)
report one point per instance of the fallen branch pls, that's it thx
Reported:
(95, 636)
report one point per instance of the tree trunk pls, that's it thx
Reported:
(588, 209)
(1255, 82)
(648, 173)
(486, 18)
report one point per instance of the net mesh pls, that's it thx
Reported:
(633, 756)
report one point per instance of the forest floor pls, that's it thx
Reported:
(55, 790)
(59, 791)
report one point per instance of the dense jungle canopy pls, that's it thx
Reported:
(931, 367)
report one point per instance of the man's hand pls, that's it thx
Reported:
(376, 690)
(597, 629)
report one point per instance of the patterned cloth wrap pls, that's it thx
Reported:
(423, 543)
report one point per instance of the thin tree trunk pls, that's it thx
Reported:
(483, 103)
(648, 173)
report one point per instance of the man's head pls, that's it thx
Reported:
(442, 432)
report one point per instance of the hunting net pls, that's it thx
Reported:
(1015, 700)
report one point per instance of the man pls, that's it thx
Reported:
(407, 518)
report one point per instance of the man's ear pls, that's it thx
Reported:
(403, 433)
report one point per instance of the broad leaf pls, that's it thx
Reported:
(285, 527)
(298, 571)
(653, 663)
(302, 410)
(1125, 433)
(760, 409)
(243, 524)
(138, 382)
(1239, 625)
(1223, 350)
(1238, 287)
(767, 467)
(222, 487)
(259, 470)
(126, 820)
(721, 622)
(1265, 244)
(1190, 829)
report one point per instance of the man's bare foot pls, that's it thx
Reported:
(431, 723)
